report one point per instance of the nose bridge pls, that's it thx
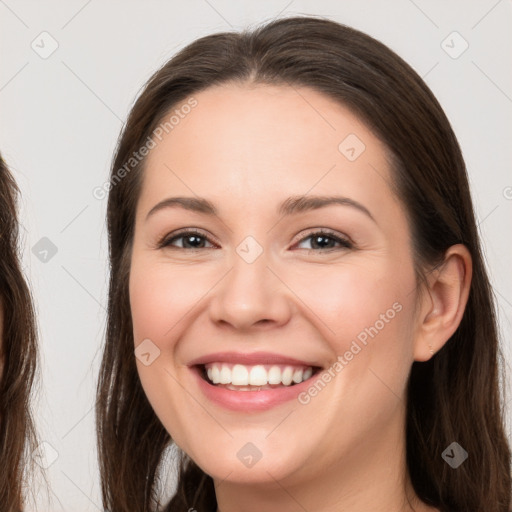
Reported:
(249, 293)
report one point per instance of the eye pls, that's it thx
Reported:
(324, 239)
(191, 240)
(194, 240)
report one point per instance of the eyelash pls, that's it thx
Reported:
(344, 242)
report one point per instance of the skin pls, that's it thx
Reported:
(247, 148)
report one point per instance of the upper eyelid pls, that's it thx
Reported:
(185, 231)
(326, 231)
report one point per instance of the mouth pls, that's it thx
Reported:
(252, 382)
(259, 377)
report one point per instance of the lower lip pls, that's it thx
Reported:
(248, 401)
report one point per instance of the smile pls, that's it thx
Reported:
(250, 383)
(240, 377)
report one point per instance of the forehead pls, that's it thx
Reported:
(251, 141)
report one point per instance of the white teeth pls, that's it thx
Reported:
(215, 374)
(225, 375)
(287, 376)
(257, 375)
(274, 375)
(239, 375)
(297, 376)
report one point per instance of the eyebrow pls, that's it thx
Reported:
(291, 206)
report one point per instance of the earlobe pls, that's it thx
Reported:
(447, 295)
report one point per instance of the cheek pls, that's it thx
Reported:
(161, 296)
(366, 317)
(353, 301)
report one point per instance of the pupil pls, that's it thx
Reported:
(193, 238)
(321, 238)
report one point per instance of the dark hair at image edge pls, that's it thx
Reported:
(455, 396)
(19, 352)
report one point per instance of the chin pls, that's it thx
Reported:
(240, 469)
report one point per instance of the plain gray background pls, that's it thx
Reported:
(61, 115)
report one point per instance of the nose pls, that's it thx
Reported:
(251, 296)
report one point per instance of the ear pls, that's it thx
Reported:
(443, 302)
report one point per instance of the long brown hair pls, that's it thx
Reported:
(18, 348)
(455, 396)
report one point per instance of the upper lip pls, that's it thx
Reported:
(252, 358)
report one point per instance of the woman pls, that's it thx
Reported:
(356, 372)
(18, 356)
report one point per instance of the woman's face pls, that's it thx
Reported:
(259, 280)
